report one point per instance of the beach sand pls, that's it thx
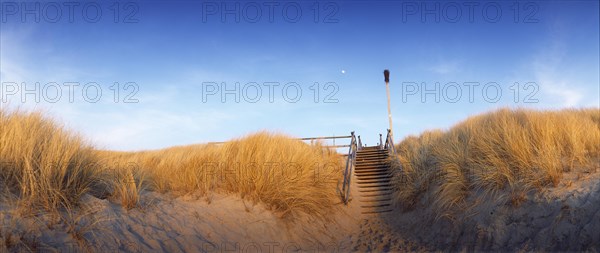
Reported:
(566, 217)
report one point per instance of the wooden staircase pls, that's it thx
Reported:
(373, 177)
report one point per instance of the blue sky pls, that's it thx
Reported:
(169, 56)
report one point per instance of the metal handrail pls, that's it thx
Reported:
(325, 137)
(307, 139)
(350, 162)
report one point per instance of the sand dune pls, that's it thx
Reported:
(183, 224)
(562, 218)
(536, 200)
(566, 217)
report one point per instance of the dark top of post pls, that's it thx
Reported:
(386, 74)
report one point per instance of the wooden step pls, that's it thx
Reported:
(374, 155)
(372, 173)
(370, 148)
(375, 189)
(371, 166)
(362, 171)
(376, 184)
(376, 194)
(358, 160)
(361, 184)
(376, 205)
(374, 177)
(377, 199)
(371, 159)
(371, 185)
(381, 186)
(370, 169)
(362, 180)
(378, 154)
(367, 158)
(365, 168)
(372, 181)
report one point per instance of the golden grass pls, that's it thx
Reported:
(286, 174)
(44, 165)
(501, 154)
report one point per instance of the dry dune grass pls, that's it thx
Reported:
(43, 165)
(286, 174)
(501, 155)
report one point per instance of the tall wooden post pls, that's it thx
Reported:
(386, 74)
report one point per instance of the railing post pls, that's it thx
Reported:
(390, 143)
(380, 142)
(349, 166)
(359, 143)
(353, 150)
